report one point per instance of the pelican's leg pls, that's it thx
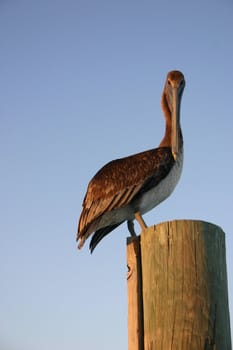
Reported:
(140, 220)
(131, 228)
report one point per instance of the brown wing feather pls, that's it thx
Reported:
(118, 182)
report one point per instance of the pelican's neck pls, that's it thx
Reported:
(166, 141)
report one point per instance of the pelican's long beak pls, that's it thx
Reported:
(175, 122)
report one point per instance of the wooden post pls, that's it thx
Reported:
(184, 288)
(135, 305)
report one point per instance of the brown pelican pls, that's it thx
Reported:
(126, 188)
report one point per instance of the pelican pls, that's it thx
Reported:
(125, 189)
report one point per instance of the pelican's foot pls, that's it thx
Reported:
(140, 220)
(130, 225)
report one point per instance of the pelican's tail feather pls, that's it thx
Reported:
(101, 233)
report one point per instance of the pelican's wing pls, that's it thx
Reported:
(118, 182)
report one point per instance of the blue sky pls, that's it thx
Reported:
(80, 85)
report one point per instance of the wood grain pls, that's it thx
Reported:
(184, 287)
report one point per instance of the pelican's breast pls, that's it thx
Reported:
(159, 193)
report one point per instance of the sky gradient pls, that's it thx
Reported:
(80, 85)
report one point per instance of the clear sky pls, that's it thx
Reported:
(80, 84)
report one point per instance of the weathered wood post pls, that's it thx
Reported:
(135, 300)
(177, 288)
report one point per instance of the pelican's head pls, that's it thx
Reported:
(173, 90)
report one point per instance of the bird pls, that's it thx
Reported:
(124, 189)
